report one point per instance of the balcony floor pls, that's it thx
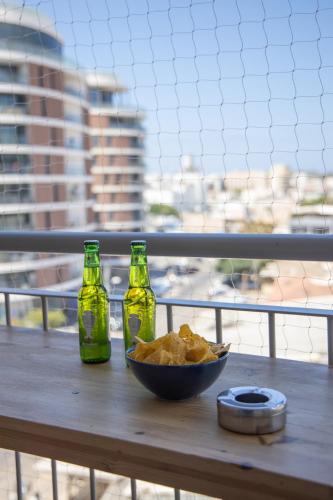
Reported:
(99, 416)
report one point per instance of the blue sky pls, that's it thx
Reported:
(238, 84)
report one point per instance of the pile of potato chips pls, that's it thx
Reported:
(182, 348)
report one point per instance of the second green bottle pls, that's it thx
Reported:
(139, 307)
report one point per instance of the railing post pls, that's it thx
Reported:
(169, 318)
(177, 494)
(44, 313)
(133, 489)
(92, 484)
(218, 325)
(54, 479)
(7, 309)
(18, 475)
(271, 335)
(330, 341)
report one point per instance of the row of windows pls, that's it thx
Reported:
(135, 215)
(132, 142)
(133, 161)
(119, 178)
(12, 35)
(120, 122)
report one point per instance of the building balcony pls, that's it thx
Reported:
(117, 207)
(28, 208)
(121, 188)
(65, 411)
(117, 151)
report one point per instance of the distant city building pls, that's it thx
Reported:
(44, 145)
(313, 219)
(117, 152)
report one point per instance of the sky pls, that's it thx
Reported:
(240, 85)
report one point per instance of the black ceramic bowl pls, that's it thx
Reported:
(177, 382)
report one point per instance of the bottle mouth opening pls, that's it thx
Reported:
(138, 243)
(91, 243)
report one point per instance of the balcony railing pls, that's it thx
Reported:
(278, 247)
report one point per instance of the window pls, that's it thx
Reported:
(47, 164)
(9, 101)
(8, 73)
(12, 134)
(29, 37)
(135, 142)
(40, 76)
(53, 80)
(15, 164)
(109, 141)
(47, 220)
(15, 193)
(43, 106)
(137, 215)
(320, 230)
(95, 141)
(100, 97)
(53, 133)
(134, 160)
(55, 192)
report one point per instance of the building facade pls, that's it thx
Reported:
(54, 119)
(44, 146)
(117, 156)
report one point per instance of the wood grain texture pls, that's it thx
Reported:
(100, 416)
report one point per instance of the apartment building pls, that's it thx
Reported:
(47, 108)
(117, 156)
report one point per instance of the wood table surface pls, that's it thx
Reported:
(99, 416)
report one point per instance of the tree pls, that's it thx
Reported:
(34, 318)
(159, 209)
(320, 200)
(257, 227)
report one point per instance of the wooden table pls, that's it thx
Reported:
(99, 416)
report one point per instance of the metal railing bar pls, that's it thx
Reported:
(92, 484)
(54, 479)
(330, 342)
(218, 325)
(18, 475)
(271, 335)
(169, 318)
(133, 489)
(206, 304)
(7, 309)
(44, 313)
(39, 293)
(177, 494)
(245, 246)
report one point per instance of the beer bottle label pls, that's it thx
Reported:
(134, 324)
(88, 322)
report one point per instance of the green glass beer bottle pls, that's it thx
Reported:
(93, 309)
(139, 306)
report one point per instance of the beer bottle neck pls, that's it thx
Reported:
(92, 273)
(139, 274)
